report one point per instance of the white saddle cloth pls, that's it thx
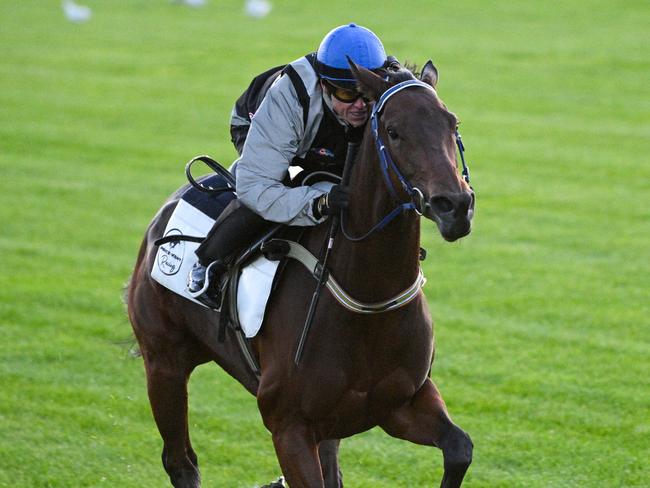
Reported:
(174, 261)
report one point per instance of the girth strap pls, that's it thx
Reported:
(299, 253)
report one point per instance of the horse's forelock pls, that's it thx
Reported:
(404, 73)
(375, 84)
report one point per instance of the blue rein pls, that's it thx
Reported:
(461, 150)
(387, 164)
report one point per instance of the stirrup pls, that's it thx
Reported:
(206, 282)
(212, 303)
(202, 295)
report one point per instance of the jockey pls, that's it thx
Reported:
(307, 126)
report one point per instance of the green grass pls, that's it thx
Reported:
(542, 329)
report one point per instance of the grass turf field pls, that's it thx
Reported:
(542, 329)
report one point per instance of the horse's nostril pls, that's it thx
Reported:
(442, 205)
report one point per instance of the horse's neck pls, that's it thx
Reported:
(388, 259)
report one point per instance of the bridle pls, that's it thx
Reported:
(417, 202)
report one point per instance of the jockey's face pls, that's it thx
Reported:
(354, 113)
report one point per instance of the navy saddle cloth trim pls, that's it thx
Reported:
(211, 204)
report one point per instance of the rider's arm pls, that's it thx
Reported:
(274, 138)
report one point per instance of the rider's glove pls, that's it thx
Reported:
(330, 203)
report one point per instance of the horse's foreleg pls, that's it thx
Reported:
(297, 453)
(425, 421)
(328, 452)
(167, 388)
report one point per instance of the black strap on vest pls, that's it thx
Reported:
(299, 86)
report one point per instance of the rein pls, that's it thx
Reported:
(387, 165)
(214, 166)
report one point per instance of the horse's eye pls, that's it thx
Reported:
(392, 133)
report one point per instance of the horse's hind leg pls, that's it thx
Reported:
(167, 388)
(425, 421)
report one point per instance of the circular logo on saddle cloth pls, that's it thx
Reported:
(170, 254)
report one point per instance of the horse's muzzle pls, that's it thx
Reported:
(453, 213)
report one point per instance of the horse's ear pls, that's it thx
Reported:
(429, 74)
(370, 84)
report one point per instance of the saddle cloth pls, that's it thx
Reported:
(194, 215)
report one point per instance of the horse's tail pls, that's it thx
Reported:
(127, 297)
(130, 342)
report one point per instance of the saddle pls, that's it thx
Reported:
(199, 206)
(264, 260)
(255, 268)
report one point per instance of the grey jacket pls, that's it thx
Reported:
(277, 134)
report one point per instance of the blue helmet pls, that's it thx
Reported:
(359, 43)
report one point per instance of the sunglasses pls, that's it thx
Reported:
(345, 95)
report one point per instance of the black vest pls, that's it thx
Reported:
(328, 150)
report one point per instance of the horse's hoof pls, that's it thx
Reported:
(276, 484)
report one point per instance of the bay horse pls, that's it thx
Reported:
(359, 370)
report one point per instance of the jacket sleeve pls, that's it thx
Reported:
(273, 140)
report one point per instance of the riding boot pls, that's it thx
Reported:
(235, 228)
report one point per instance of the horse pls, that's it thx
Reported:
(358, 370)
